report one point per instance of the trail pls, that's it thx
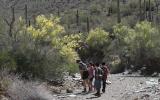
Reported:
(122, 88)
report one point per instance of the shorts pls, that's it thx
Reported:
(85, 75)
(91, 79)
(97, 84)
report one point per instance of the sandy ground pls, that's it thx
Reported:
(122, 88)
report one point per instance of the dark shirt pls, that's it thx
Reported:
(105, 72)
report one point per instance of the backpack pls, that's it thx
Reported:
(82, 66)
(98, 73)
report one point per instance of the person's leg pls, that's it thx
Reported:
(98, 88)
(84, 85)
(104, 85)
(98, 92)
(90, 84)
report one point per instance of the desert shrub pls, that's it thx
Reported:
(116, 66)
(42, 50)
(95, 40)
(130, 21)
(95, 9)
(138, 46)
(7, 61)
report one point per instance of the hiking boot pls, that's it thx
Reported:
(84, 90)
(98, 94)
(90, 89)
(103, 90)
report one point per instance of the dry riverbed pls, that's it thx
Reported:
(122, 88)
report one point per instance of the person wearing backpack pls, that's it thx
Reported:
(98, 79)
(91, 76)
(104, 76)
(84, 74)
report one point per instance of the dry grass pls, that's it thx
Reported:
(17, 89)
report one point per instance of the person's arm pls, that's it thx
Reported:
(81, 73)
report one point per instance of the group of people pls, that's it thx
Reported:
(97, 72)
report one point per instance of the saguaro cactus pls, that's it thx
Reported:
(88, 27)
(150, 14)
(29, 23)
(11, 23)
(140, 9)
(118, 12)
(58, 12)
(145, 9)
(77, 18)
(26, 14)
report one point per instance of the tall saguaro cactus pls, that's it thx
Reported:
(157, 5)
(140, 10)
(118, 12)
(11, 23)
(77, 18)
(88, 27)
(144, 9)
(150, 14)
(26, 15)
(58, 11)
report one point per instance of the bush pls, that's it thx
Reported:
(95, 9)
(95, 40)
(41, 51)
(7, 61)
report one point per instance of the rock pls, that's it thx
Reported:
(55, 89)
(155, 74)
(77, 77)
(3, 97)
(141, 82)
(152, 82)
(145, 96)
(72, 95)
(69, 90)
(135, 98)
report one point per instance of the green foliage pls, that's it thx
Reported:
(41, 50)
(2, 28)
(139, 44)
(7, 61)
(95, 40)
(49, 30)
(46, 28)
(97, 37)
(95, 9)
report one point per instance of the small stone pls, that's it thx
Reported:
(136, 99)
(69, 90)
(72, 95)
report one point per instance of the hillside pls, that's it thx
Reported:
(81, 15)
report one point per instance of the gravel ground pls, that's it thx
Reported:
(122, 88)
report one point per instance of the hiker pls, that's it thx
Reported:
(98, 79)
(84, 74)
(104, 76)
(91, 75)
